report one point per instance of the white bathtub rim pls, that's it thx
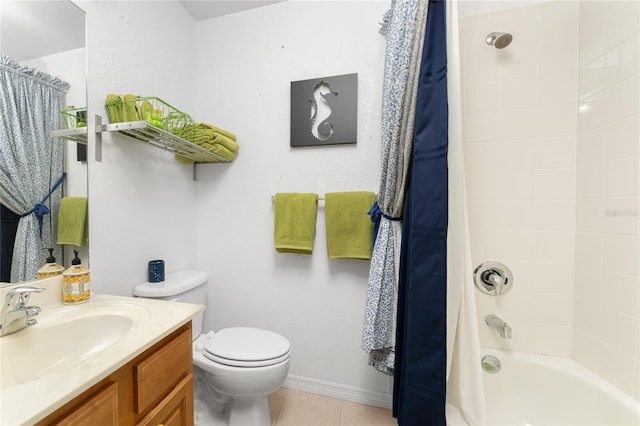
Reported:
(569, 366)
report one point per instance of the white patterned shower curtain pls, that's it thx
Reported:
(30, 160)
(404, 28)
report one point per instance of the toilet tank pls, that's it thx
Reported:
(187, 286)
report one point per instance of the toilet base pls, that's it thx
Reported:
(203, 416)
(214, 409)
(240, 412)
(253, 412)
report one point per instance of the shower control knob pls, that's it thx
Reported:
(492, 278)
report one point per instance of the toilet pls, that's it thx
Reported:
(236, 368)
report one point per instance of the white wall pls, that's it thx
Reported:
(141, 201)
(235, 72)
(245, 64)
(519, 132)
(607, 290)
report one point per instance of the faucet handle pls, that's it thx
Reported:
(492, 278)
(21, 294)
(32, 311)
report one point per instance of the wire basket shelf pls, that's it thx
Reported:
(153, 111)
(74, 117)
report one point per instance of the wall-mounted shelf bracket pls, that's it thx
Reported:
(98, 145)
(78, 135)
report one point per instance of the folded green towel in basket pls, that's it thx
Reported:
(294, 222)
(349, 227)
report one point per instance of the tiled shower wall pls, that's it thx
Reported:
(552, 160)
(519, 133)
(607, 296)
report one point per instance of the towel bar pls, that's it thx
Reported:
(319, 198)
(273, 198)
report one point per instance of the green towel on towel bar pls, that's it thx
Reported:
(73, 221)
(294, 222)
(349, 227)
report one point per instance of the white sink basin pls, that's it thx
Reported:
(65, 337)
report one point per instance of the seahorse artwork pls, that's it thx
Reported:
(321, 110)
(321, 117)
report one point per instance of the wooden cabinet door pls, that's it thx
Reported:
(158, 373)
(99, 409)
(174, 410)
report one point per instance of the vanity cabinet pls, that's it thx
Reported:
(154, 388)
(100, 408)
(176, 409)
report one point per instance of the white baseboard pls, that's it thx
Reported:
(339, 391)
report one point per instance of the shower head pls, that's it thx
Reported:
(499, 40)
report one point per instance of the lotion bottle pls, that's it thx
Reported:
(76, 287)
(51, 268)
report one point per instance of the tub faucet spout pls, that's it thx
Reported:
(498, 324)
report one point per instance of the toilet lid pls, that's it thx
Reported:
(247, 347)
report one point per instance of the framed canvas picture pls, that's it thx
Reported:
(324, 111)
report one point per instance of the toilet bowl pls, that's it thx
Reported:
(236, 368)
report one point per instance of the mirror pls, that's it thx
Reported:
(50, 37)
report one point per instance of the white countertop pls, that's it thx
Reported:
(31, 401)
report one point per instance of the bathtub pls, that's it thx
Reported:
(533, 389)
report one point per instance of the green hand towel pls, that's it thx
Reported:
(145, 110)
(130, 110)
(294, 222)
(73, 221)
(114, 106)
(349, 227)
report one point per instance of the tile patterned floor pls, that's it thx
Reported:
(295, 408)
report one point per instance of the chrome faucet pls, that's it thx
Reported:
(499, 325)
(16, 315)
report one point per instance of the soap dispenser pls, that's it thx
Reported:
(76, 287)
(51, 268)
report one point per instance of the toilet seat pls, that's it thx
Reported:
(246, 347)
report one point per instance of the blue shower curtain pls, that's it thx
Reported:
(421, 335)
